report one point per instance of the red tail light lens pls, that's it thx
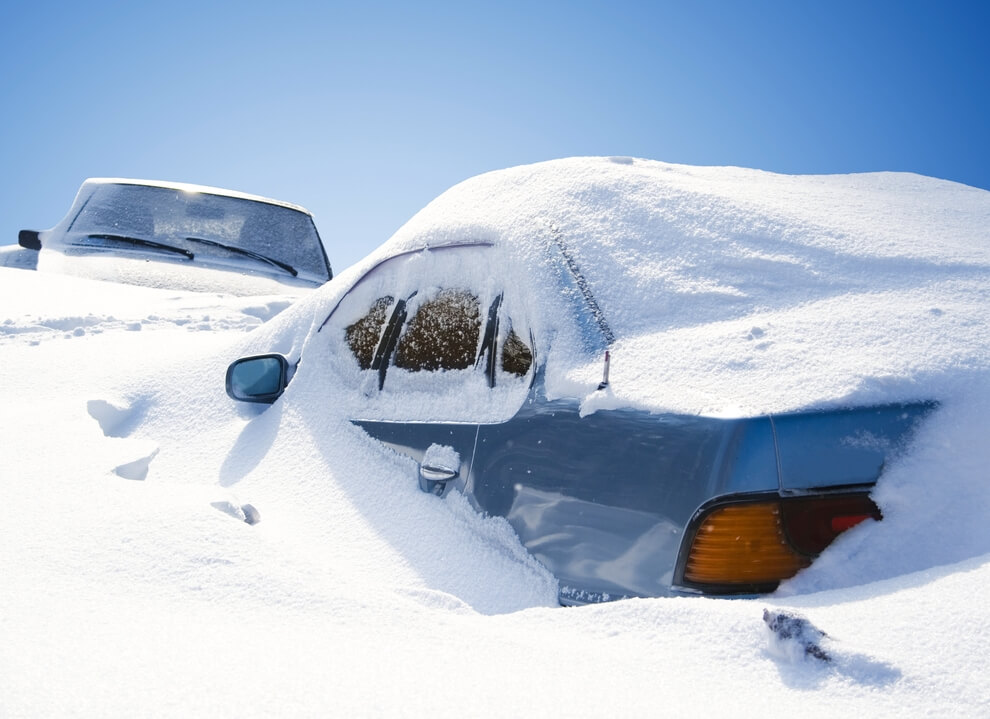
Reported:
(841, 524)
(811, 523)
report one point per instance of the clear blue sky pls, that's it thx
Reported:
(363, 112)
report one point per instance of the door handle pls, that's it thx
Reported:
(432, 473)
(440, 465)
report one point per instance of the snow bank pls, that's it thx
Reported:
(131, 585)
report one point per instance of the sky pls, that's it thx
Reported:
(364, 112)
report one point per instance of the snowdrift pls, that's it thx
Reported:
(131, 585)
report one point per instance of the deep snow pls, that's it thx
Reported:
(130, 585)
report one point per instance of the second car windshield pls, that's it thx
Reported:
(170, 215)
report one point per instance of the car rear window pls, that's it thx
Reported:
(443, 334)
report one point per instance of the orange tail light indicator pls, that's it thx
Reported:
(742, 544)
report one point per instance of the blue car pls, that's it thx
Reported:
(445, 361)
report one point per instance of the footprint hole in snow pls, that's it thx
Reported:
(137, 470)
(116, 419)
(245, 512)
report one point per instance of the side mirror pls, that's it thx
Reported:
(29, 239)
(261, 378)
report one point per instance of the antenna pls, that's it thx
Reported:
(604, 382)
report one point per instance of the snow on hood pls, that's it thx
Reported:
(730, 291)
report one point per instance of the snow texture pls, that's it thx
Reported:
(729, 291)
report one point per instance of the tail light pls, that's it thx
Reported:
(749, 547)
(811, 523)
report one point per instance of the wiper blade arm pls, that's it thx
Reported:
(140, 242)
(247, 253)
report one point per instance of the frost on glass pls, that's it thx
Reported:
(363, 336)
(443, 334)
(516, 355)
(447, 294)
(171, 216)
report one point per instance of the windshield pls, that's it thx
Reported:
(170, 216)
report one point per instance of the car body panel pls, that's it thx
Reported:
(414, 439)
(604, 500)
(846, 446)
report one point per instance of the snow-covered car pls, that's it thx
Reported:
(182, 236)
(482, 344)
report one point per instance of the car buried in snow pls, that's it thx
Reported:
(448, 348)
(180, 236)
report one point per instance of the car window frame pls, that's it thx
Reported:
(406, 253)
(489, 345)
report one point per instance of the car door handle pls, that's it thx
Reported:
(437, 473)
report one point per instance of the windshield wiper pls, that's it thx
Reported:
(140, 242)
(247, 253)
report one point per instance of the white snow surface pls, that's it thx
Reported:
(736, 291)
(130, 586)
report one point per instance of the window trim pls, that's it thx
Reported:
(389, 340)
(407, 253)
(393, 330)
(489, 340)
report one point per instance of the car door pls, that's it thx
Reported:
(428, 340)
(602, 499)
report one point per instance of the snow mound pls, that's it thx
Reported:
(728, 291)
(793, 637)
(735, 291)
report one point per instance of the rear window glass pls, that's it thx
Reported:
(517, 358)
(443, 334)
(363, 336)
